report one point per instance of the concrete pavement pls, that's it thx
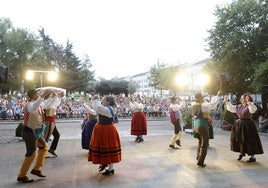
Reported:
(147, 164)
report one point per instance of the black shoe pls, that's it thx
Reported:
(52, 152)
(108, 172)
(102, 167)
(173, 147)
(202, 165)
(178, 142)
(240, 157)
(251, 159)
(137, 139)
(140, 140)
(37, 173)
(24, 179)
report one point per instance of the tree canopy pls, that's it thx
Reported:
(22, 50)
(238, 44)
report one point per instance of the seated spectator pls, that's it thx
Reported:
(263, 122)
(3, 113)
(17, 113)
(9, 113)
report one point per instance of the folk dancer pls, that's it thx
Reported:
(105, 145)
(32, 135)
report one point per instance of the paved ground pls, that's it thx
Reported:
(147, 164)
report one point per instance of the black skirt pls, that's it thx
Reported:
(245, 137)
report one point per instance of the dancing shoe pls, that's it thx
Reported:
(24, 179)
(178, 142)
(102, 167)
(251, 159)
(52, 152)
(37, 173)
(202, 165)
(173, 147)
(240, 157)
(108, 172)
(140, 140)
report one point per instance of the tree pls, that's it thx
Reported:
(260, 76)
(164, 77)
(114, 86)
(18, 50)
(74, 74)
(132, 87)
(87, 76)
(238, 41)
(158, 76)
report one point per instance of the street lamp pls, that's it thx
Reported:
(51, 75)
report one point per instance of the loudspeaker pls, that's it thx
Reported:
(3, 74)
(264, 97)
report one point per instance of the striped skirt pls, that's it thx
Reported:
(138, 124)
(105, 145)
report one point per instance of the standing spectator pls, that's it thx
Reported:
(138, 122)
(105, 145)
(244, 135)
(175, 118)
(201, 125)
(33, 121)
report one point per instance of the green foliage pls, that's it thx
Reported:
(229, 117)
(239, 41)
(18, 47)
(114, 86)
(163, 77)
(187, 118)
(21, 50)
(260, 77)
(132, 87)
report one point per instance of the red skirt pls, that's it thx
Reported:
(105, 145)
(138, 124)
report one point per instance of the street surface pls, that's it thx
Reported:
(147, 164)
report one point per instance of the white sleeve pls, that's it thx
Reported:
(252, 107)
(230, 107)
(33, 106)
(98, 107)
(210, 105)
(176, 107)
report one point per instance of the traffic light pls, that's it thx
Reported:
(264, 97)
(3, 74)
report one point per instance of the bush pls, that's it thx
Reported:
(187, 119)
(229, 117)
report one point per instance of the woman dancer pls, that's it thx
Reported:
(244, 135)
(138, 122)
(105, 145)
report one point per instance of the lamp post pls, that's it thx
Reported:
(52, 75)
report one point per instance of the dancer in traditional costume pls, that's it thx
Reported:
(88, 127)
(175, 119)
(244, 135)
(201, 125)
(138, 122)
(105, 145)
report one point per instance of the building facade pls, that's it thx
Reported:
(191, 71)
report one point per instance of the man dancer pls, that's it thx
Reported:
(50, 121)
(33, 123)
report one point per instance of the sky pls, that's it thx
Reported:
(121, 37)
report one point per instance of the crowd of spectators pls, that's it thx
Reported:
(11, 108)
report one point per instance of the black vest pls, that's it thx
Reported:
(105, 120)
